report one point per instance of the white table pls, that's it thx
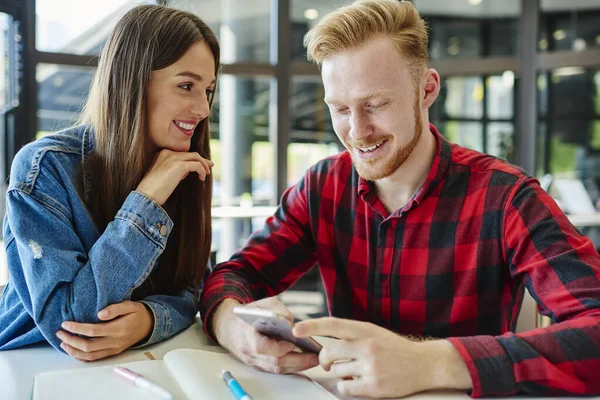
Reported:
(243, 212)
(584, 220)
(18, 367)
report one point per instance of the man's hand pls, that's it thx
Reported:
(255, 349)
(129, 322)
(372, 361)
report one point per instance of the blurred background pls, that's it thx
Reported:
(520, 80)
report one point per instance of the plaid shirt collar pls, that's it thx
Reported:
(439, 168)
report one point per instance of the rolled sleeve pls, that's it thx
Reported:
(488, 364)
(162, 324)
(148, 215)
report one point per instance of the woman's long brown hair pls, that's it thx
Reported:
(148, 38)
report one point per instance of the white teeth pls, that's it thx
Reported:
(368, 149)
(183, 125)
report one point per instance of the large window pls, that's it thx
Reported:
(571, 136)
(77, 27)
(4, 100)
(311, 137)
(478, 112)
(243, 28)
(62, 91)
(304, 15)
(3, 59)
(474, 45)
(471, 29)
(569, 25)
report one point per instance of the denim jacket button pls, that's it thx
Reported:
(163, 230)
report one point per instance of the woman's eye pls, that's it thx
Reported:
(186, 86)
(209, 92)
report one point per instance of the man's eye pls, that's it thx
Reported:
(376, 106)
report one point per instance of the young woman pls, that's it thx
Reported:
(107, 227)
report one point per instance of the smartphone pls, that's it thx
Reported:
(274, 325)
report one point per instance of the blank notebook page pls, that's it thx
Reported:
(199, 374)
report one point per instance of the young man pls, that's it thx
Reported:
(416, 236)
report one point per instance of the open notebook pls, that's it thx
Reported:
(187, 374)
(195, 374)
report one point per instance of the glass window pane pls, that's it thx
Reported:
(462, 97)
(4, 21)
(3, 59)
(240, 136)
(302, 156)
(569, 25)
(504, 37)
(472, 9)
(243, 175)
(471, 28)
(77, 27)
(312, 137)
(500, 140)
(541, 153)
(569, 145)
(454, 38)
(62, 90)
(311, 120)
(500, 95)
(542, 97)
(243, 28)
(597, 93)
(595, 140)
(467, 134)
(570, 157)
(305, 14)
(573, 91)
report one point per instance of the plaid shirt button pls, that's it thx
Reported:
(382, 277)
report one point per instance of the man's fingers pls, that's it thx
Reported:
(86, 345)
(273, 304)
(115, 310)
(288, 364)
(337, 352)
(335, 327)
(355, 387)
(262, 344)
(84, 356)
(347, 369)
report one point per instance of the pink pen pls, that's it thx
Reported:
(139, 381)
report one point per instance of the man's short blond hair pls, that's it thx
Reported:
(353, 25)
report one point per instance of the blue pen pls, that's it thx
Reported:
(234, 386)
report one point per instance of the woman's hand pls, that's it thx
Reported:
(129, 322)
(170, 168)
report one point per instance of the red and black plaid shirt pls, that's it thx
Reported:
(453, 263)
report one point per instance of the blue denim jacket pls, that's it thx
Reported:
(61, 267)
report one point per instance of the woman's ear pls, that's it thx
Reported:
(431, 87)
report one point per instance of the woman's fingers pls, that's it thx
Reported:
(85, 356)
(85, 345)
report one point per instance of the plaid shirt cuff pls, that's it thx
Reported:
(212, 303)
(489, 366)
